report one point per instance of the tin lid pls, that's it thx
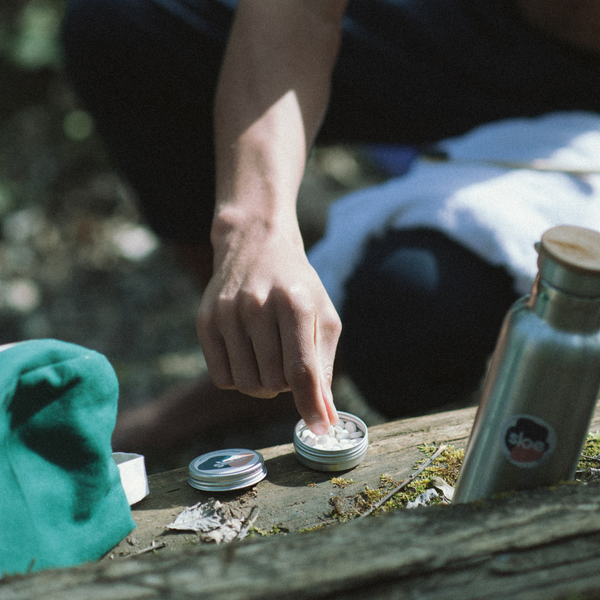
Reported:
(225, 470)
(569, 260)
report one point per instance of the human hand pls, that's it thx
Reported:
(267, 325)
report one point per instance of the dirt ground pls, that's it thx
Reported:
(77, 262)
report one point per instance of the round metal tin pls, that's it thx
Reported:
(225, 470)
(331, 460)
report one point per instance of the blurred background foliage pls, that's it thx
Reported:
(29, 32)
(76, 260)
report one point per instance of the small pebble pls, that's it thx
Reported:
(339, 437)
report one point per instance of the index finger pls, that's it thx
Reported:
(298, 328)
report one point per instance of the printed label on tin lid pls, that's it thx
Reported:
(225, 470)
(216, 461)
(527, 441)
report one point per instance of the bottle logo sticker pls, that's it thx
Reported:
(527, 441)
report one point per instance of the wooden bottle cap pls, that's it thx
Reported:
(576, 248)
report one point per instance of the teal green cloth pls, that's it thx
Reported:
(61, 498)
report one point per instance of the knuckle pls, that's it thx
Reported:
(268, 394)
(328, 373)
(334, 325)
(295, 300)
(251, 307)
(204, 319)
(249, 386)
(300, 375)
(224, 311)
(223, 381)
(331, 316)
(330, 326)
(275, 385)
(215, 316)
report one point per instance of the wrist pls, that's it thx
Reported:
(233, 226)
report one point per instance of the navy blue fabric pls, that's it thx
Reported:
(409, 72)
(421, 317)
(421, 70)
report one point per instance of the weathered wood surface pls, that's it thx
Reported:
(544, 544)
(294, 497)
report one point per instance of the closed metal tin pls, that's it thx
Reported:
(225, 470)
(331, 460)
(544, 377)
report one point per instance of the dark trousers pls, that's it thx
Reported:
(420, 319)
(409, 72)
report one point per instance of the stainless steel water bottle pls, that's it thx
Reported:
(544, 377)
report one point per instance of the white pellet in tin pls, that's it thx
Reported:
(341, 436)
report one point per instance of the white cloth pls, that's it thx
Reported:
(497, 212)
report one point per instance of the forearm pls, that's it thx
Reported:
(272, 96)
(265, 323)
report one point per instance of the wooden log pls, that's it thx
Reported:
(541, 545)
(294, 497)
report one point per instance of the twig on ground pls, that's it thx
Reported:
(154, 546)
(410, 478)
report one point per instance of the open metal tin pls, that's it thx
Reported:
(331, 460)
